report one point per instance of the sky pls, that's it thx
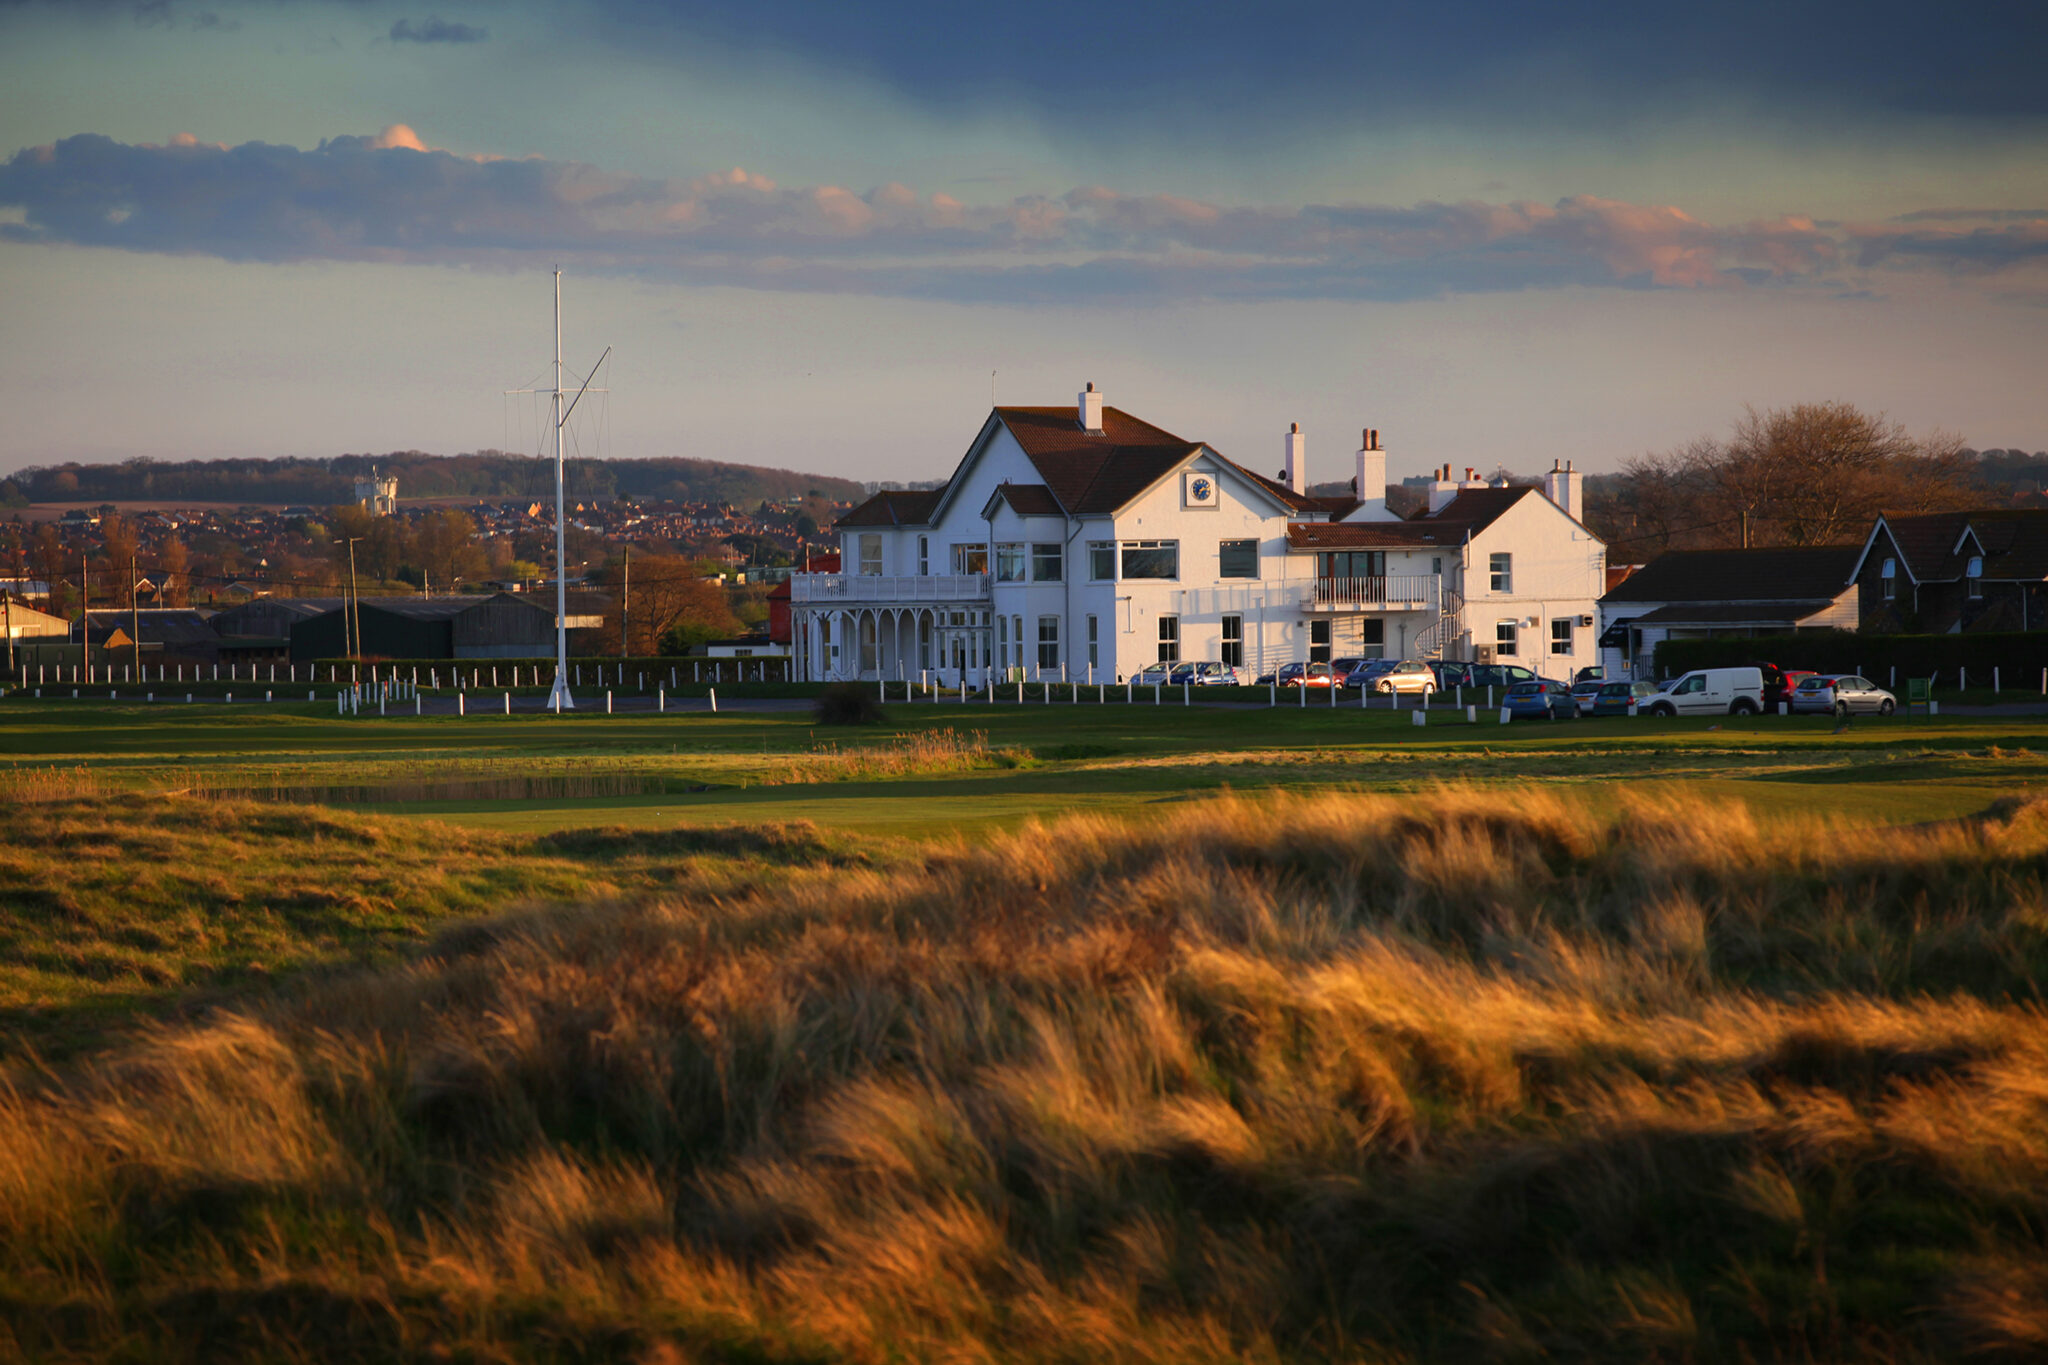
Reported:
(823, 236)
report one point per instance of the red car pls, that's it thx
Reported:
(1304, 675)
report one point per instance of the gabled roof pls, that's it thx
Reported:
(895, 507)
(1781, 574)
(1936, 546)
(1026, 500)
(1096, 473)
(1479, 508)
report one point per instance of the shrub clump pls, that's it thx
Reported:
(848, 704)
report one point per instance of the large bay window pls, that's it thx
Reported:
(1010, 563)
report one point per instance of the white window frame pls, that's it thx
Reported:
(1096, 549)
(1047, 557)
(1888, 579)
(1561, 639)
(1012, 562)
(1501, 571)
(1048, 643)
(1321, 640)
(1231, 647)
(964, 552)
(924, 556)
(1169, 639)
(869, 548)
(1507, 639)
(1094, 634)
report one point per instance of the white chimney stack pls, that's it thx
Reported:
(1442, 488)
(1295, 471)
(1371, 486)
(1562, 486)
(1091, 409)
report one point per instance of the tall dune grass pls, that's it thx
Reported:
(1373, 1079)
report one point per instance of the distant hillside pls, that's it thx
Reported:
(483, 474)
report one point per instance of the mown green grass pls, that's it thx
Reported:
(1108, 758)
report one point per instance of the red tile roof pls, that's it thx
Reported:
(1092, 473)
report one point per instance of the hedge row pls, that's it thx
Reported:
(2017, 655)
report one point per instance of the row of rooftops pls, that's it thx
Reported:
(1098, 471)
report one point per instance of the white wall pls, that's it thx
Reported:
(1559, 572)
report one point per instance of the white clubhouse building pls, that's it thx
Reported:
(1080, 543)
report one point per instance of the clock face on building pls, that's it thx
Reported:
(1200, 490)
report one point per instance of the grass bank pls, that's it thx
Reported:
(1404, 1078)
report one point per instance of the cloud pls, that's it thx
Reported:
(437, 30)
(393, 197)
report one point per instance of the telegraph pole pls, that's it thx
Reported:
(84, 615)
(626, 604)
(134, 618)
(351, 620)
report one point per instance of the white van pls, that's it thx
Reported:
(1708, 692)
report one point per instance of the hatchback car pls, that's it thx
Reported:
(1450, 674)
(1409, 677)
(1540, 698)
(1842, 693)
(1583, 692)
(1158, 675)
(1614, 698)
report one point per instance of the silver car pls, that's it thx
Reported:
(1841, 693)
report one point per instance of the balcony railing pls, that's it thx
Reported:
(1386, 592)
(851, 587)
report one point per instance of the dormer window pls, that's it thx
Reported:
(1973, 574)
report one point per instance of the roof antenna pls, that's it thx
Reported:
(991, 388)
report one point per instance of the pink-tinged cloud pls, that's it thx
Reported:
(394, 197)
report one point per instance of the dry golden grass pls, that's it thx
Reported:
(1370, 1079)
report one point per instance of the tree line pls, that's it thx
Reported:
(492, 474)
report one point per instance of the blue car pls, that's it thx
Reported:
(1540, 699)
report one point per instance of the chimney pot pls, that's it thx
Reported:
(1294, 472)
(1090, 404)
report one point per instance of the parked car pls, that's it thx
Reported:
(1409, 677)
(1206, 673)
(1779, 683)
(1708, 692)
(1344, 667)
(1585, 689)
(1591, 673)
(1302, 675)
(1613, 698)
(1540, 698)
(1158, 675)
(1454, 673)
(1841, 693)
(1368, 671)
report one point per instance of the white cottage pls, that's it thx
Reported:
(1082, 543)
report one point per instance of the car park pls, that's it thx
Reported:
(1615, 698)
(1540, 699)
(1708, 692)
(1843, 694)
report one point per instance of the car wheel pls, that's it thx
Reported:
(1884, 708)
(1743, 706)
(1842, 710)
(1663, 711)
